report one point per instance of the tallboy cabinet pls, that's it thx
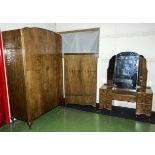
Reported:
(33, 61)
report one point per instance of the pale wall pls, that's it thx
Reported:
(115, 38)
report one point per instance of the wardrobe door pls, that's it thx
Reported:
(80, 79)
(43, 69)
(15, 73)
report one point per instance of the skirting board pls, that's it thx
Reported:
(121, 112)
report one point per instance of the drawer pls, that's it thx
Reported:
(148, 99)
(140, 106)
(103, 91)
(109, 97)
(102, 100)
(101, 105)
(148, 107)
(109, 101)
(105, 97)
(148, 113)
(140, 99)
(109, 92)
(140, 111)
(109, 106)
(102, 97)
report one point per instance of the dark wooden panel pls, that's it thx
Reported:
(105, 98)
(142, 77)
(43, 69)
(15, 73)
(144, 102)
(123, 97)
(143, 99)
(111, 70)
(80, 78)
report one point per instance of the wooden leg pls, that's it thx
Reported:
(13, 119)
(29, 124)
(94, 106)
(101, 106)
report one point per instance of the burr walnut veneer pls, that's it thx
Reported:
(126, 81)
(80, 71)
(33, 62)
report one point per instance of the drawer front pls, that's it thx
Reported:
(106, 91)
(148, 113)
(140, 108)
(105, 96)
(105, 101)
(109, 91)
(101, 95)
(102, 99)
(103, 91)
(109, 106)
(148, 99)
(148, 109)
(140, 98)
(144, 109)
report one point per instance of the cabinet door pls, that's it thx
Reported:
(80, 78)
(43, 70)
(15, 73)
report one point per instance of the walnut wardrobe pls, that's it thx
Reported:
(33, 61)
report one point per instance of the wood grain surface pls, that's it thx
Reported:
(80, 72)
(34, 71)
(142, 95)
(15, 74)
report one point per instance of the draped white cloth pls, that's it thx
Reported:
(80, 42)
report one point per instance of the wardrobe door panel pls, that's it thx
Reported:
(15, 73)
(80, 78)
